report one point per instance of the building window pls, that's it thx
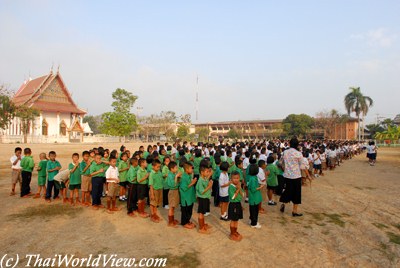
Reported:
(45, 128)
(63, 129)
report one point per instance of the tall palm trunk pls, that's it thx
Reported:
(359, 132)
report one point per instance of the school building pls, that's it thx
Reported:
(344, 131)
(59, 120)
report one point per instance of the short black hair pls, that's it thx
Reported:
(253, 170)
(172, 165)
(270, 159)
(18, 149)
(294, 143)
(235, 173)
(112, 158)
(261, 163)
(141, 160)
(156, 162)
(132, 160)
(224, 166)
(27, 151)
(85, 153)
(75, 154)
(52, 153)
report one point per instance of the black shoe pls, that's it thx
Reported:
(282, 209)
(297, 214)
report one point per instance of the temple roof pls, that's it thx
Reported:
(47, 93)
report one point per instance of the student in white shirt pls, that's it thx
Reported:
(16, 169)
(262, 180)
(112, 177)
(224, 183)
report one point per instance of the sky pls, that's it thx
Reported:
(254, 59)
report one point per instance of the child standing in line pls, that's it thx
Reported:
(132, 187)
(203, 193)
(112, 177)
(188, 195)
(272, 180)
(27, 166)
(156, 190)
(165, 172)
(16, 169)
(74, 179)
(173, 181)
(224, 183)
(142, 179)
(254, 195)
(97, 173)
(196, 163)
(41, 175)
(262, 180)
(215, 177)
(53, 166)
(123, 168)
(235, 211)
(86, 180)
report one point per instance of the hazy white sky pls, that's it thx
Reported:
(255, 59)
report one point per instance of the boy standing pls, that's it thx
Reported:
(156, 190)
(86, 180)
(16, 169)
(53, 166)
(41, 175)
(142, 179)
(74, 179)
(235, 211)
(112, 176)
(132, 187)
(97, 173)
(203, 192)
(27, 166)
(188, 195)
(173, 181)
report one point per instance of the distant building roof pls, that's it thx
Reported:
(86, 128)
(268, 121)
(47, 93)
(396, 120)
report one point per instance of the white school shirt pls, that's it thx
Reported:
(317, 161)
(112, 173)
(18, 165)
(223, 179)
(261, 176)
(246, 162)
(371, 149)
(263, 157)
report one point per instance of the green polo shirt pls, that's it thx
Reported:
(188, 194)
(75, 177)
(122, 174)
(216, 174)
(272, 179)
(27, 164)
(140, 174)
(43, 169)
(255, 197)
(96, 167)
(132, 174)
(156, 179)
(82, 167)
(239, 170)
(201, 186)
(196, 164)
(231, 191)
(165, 172)
(52, 165)
(171, 181)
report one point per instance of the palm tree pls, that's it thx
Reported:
(356, 102)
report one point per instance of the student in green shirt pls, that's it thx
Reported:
(203, 193)
(131, 177)
(272, 180)
(41, 175)
(53, 166)
(74, 179)
(215, 177)
(123, 168)
(86, 180)
(230, 161)
(156, 190)
(173, 181)
(142, 179)
(165, 172)
(188, 195)
(98, 174)
(196, 163)
(235, 211)
(254, 195)
(27, 166)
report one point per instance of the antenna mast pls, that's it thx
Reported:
(197, 99)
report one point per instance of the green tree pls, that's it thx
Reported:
(374, 128)
(7, 108)
(203, 133)
(27, 117)
(392, 134)
(233, 134)
(182, 131)
(298, 124)
(356, 102)
(120, 122)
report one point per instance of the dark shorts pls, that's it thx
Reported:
(235, 211)
(273, 188)
(123, 183)
(318, 167)
(142, 191)
(291, 191)
(59, 185)
(372, 156)
(223, 199)
(74, 186)
(204, 205)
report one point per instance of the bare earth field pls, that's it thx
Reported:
(351, 220)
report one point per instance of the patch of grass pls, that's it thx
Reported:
(317, 216)
(396, 225)
(283, 221)
(336, 219)
(46, 212)
(307, 227)
(370, 188)
(379, 225)
(383, 246)
(394, 238)
(294, 221)
(325, 232)
(359, 188)
(187, 260)
(346, 215)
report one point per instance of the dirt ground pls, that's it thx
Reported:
(351, 219)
